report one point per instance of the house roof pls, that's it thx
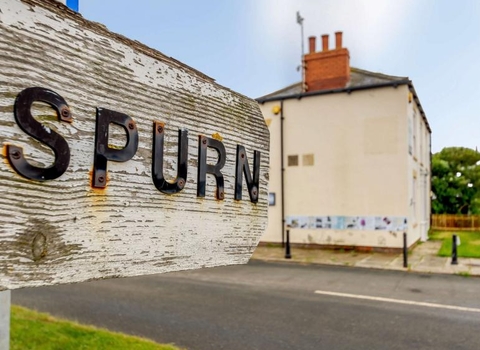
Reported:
(359, 80)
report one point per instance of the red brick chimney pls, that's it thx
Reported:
(328, 69)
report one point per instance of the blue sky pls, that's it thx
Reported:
(254, 46)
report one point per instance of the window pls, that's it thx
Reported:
(271, 199)
(414, 129)
(308, 159)
(414, 199)
(293, 160)
(410, 141)
(420, 156)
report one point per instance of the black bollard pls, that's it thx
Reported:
(287, 246)
(405, 250)
(454, 250)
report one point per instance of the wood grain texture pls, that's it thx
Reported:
(64, 231)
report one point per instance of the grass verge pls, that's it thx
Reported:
(469, 247)
(39, 331)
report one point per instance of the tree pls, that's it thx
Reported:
(456, 181)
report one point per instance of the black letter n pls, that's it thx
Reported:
(242, 167)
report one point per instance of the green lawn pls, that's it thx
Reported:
(32, 330)
(469, 247)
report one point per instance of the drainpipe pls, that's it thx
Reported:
(283, 172)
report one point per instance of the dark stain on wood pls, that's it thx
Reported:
(42, 243)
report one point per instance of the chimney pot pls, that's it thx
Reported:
(312, 44)
(329, 68)
(325, 42)
(338, 40)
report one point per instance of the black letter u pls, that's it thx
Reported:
(157, 164)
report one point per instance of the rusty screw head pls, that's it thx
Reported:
(101, 179)
(160, 128)
(15, 154)
(221, 195)
(254, 191)
(131, 126)
(181, 183)
(65, 112)
(204, 141)
(242, 155)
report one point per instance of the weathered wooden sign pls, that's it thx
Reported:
(117, 160)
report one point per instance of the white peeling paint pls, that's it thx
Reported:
(129, 228)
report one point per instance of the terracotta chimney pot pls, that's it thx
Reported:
(338, 40)
(325, 42)
(312, 44)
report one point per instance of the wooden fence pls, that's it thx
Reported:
(455, 221)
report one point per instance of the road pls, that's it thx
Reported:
(275, 306)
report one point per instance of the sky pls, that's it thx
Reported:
(254, 46)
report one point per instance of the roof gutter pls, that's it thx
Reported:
(333, 91)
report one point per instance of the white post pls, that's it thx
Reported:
(5, 320)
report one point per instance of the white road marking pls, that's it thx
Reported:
(398, 301)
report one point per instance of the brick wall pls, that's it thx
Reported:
(328, 69)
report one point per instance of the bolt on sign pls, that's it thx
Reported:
(118, 160)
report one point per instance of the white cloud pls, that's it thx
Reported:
(369, 26)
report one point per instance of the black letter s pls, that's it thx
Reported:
(30, 126)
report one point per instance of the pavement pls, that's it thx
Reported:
(423, 258)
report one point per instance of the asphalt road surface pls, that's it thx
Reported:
(277, 306)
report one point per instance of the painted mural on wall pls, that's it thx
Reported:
(367, 223)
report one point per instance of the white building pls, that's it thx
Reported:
(350, 156)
